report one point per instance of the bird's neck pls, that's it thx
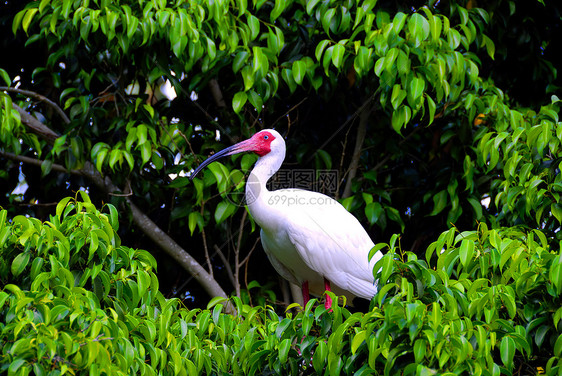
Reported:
(256, 189)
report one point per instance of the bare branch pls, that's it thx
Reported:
(226, 265)
(36, 126)
(360, 138)
(206, 249)
(217, 93)
(288, 112)
(214, 122)
(346, 123)
(37, 162)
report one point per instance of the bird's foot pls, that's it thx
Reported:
(328, 302)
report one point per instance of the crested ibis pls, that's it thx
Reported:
(310, 238)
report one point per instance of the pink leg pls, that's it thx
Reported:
(328, 302)
(305, 294)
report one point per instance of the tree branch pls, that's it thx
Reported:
(37, 162)
(360, 138)
(39, 97)
(140, 219)
(217, 93)
(226, 265)
(36, 126)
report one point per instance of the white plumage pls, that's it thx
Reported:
(310, 239)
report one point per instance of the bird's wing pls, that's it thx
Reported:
(283, 270)
(331, 241)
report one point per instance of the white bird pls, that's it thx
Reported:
(310, 238)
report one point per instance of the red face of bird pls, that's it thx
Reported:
(259, 143)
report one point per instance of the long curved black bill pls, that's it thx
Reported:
(234, 149)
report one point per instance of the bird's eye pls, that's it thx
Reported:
(265, 137)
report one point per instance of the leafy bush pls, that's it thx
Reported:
(75, 301)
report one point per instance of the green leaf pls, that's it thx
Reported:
(15, 366)
(431, 107)
(238, 101)
(337, 55)
(397, 96)
(507, 351)
(16, 23)
(398, 22)
(61, 206)
(278, 9)
(558, 346)
(242, 6)
(320, 356)
(373, 211)
(248, 76)
(256, 100)
(195, 220)
(29, 13)
(400, 118)
(46, 167)
(310, 5)
(556, 210)
(284, 348)
(239, 60)
(477, 206)
(114, 157)
(223, 211)
(439, 202)
(320, 47)
(146, 152)
(386, 267)
(299, 71)
(5, 77)
(327, 18)
(415, 92)
(94, 244)
(19, 263)
(254, 24)
(490, 46)
(216, 300)
(466, 251)
(358, 339)
(287, 75)
(419, 350)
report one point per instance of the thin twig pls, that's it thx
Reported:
(47, 204)
(128, 193)
(247, 258)
(288, 112)
(355, 114)
(246, 268)
(388, 156)
(340, 169)
(226, 265)
(205, 247)
(38, 163)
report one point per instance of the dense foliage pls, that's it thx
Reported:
(440, 121)
(74, 300)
